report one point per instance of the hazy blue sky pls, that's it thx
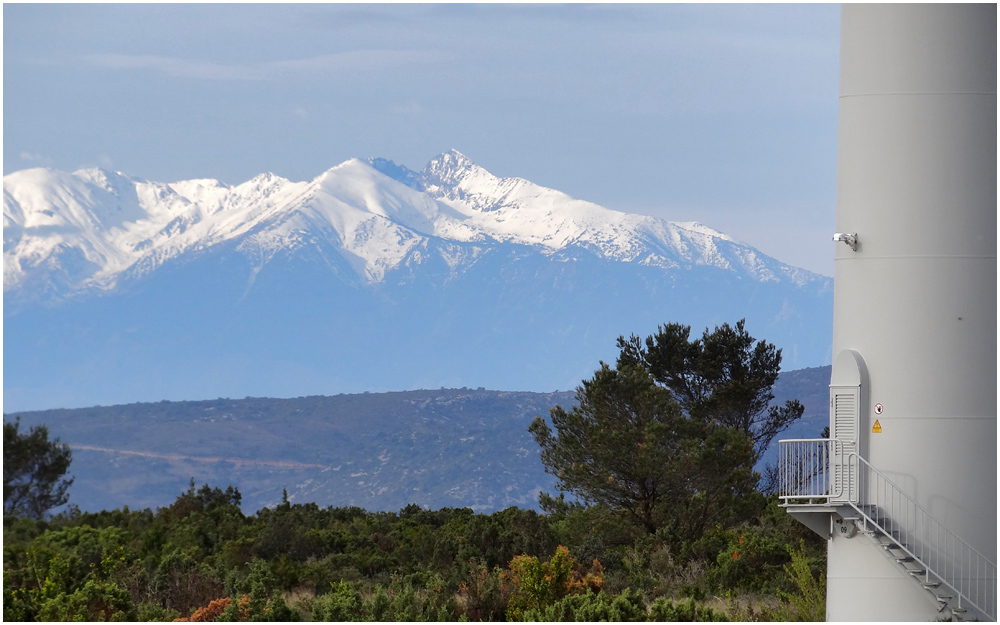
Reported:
(724, 114)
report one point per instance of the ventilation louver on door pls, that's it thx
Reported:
(845, 409)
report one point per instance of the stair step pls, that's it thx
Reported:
(904, 559)
(916, 572)
(945, 598)
(929, 585)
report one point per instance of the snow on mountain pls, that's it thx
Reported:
(67, 233)
(369, 277)
(519, 211)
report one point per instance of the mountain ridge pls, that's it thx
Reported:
(108, 225)
(118, 289)
(437, 448)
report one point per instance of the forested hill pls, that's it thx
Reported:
(379, 451)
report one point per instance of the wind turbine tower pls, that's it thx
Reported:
(905, 488)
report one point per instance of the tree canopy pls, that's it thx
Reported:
(33, 470)
(726, 376)
(628, 445)
(670, 435)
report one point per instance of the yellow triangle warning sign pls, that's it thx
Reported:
(877, 428)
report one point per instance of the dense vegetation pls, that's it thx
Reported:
(201, 557)
(663, 521)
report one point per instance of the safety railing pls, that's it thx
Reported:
(809, 470)
(967, 572)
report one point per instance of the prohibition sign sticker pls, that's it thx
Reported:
(878, 408)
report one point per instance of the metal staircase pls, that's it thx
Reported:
(819, 476)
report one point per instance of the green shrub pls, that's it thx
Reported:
(400, 601)
(687, 611)
(151, 612)
(342, 603)
(628, 606)
(483, 593)
(538, 584)
(94, 601)
(752, 560)
(535, 585)
(809, 603)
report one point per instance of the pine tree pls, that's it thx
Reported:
(628, 445)
(726, 376)
(33, 470)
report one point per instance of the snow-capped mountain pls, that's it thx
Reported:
(70, 233)
(455, 273)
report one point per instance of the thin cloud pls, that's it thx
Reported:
(350, 60)
(35, 159)
(207, 70)
(175, 67)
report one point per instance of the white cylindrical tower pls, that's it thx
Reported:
(915, 294)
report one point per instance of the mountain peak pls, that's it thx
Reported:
(444, 171)
(349, 163)
(453, 156)
(448, 168)
(266, 177)
(107, 180)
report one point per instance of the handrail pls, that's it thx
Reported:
(966, 571)
(806, 469)
(816, 471)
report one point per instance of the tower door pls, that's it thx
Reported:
(848, 393)
(845, 420)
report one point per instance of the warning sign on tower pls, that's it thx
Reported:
(877, 428)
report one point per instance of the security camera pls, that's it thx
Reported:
(849, 239)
